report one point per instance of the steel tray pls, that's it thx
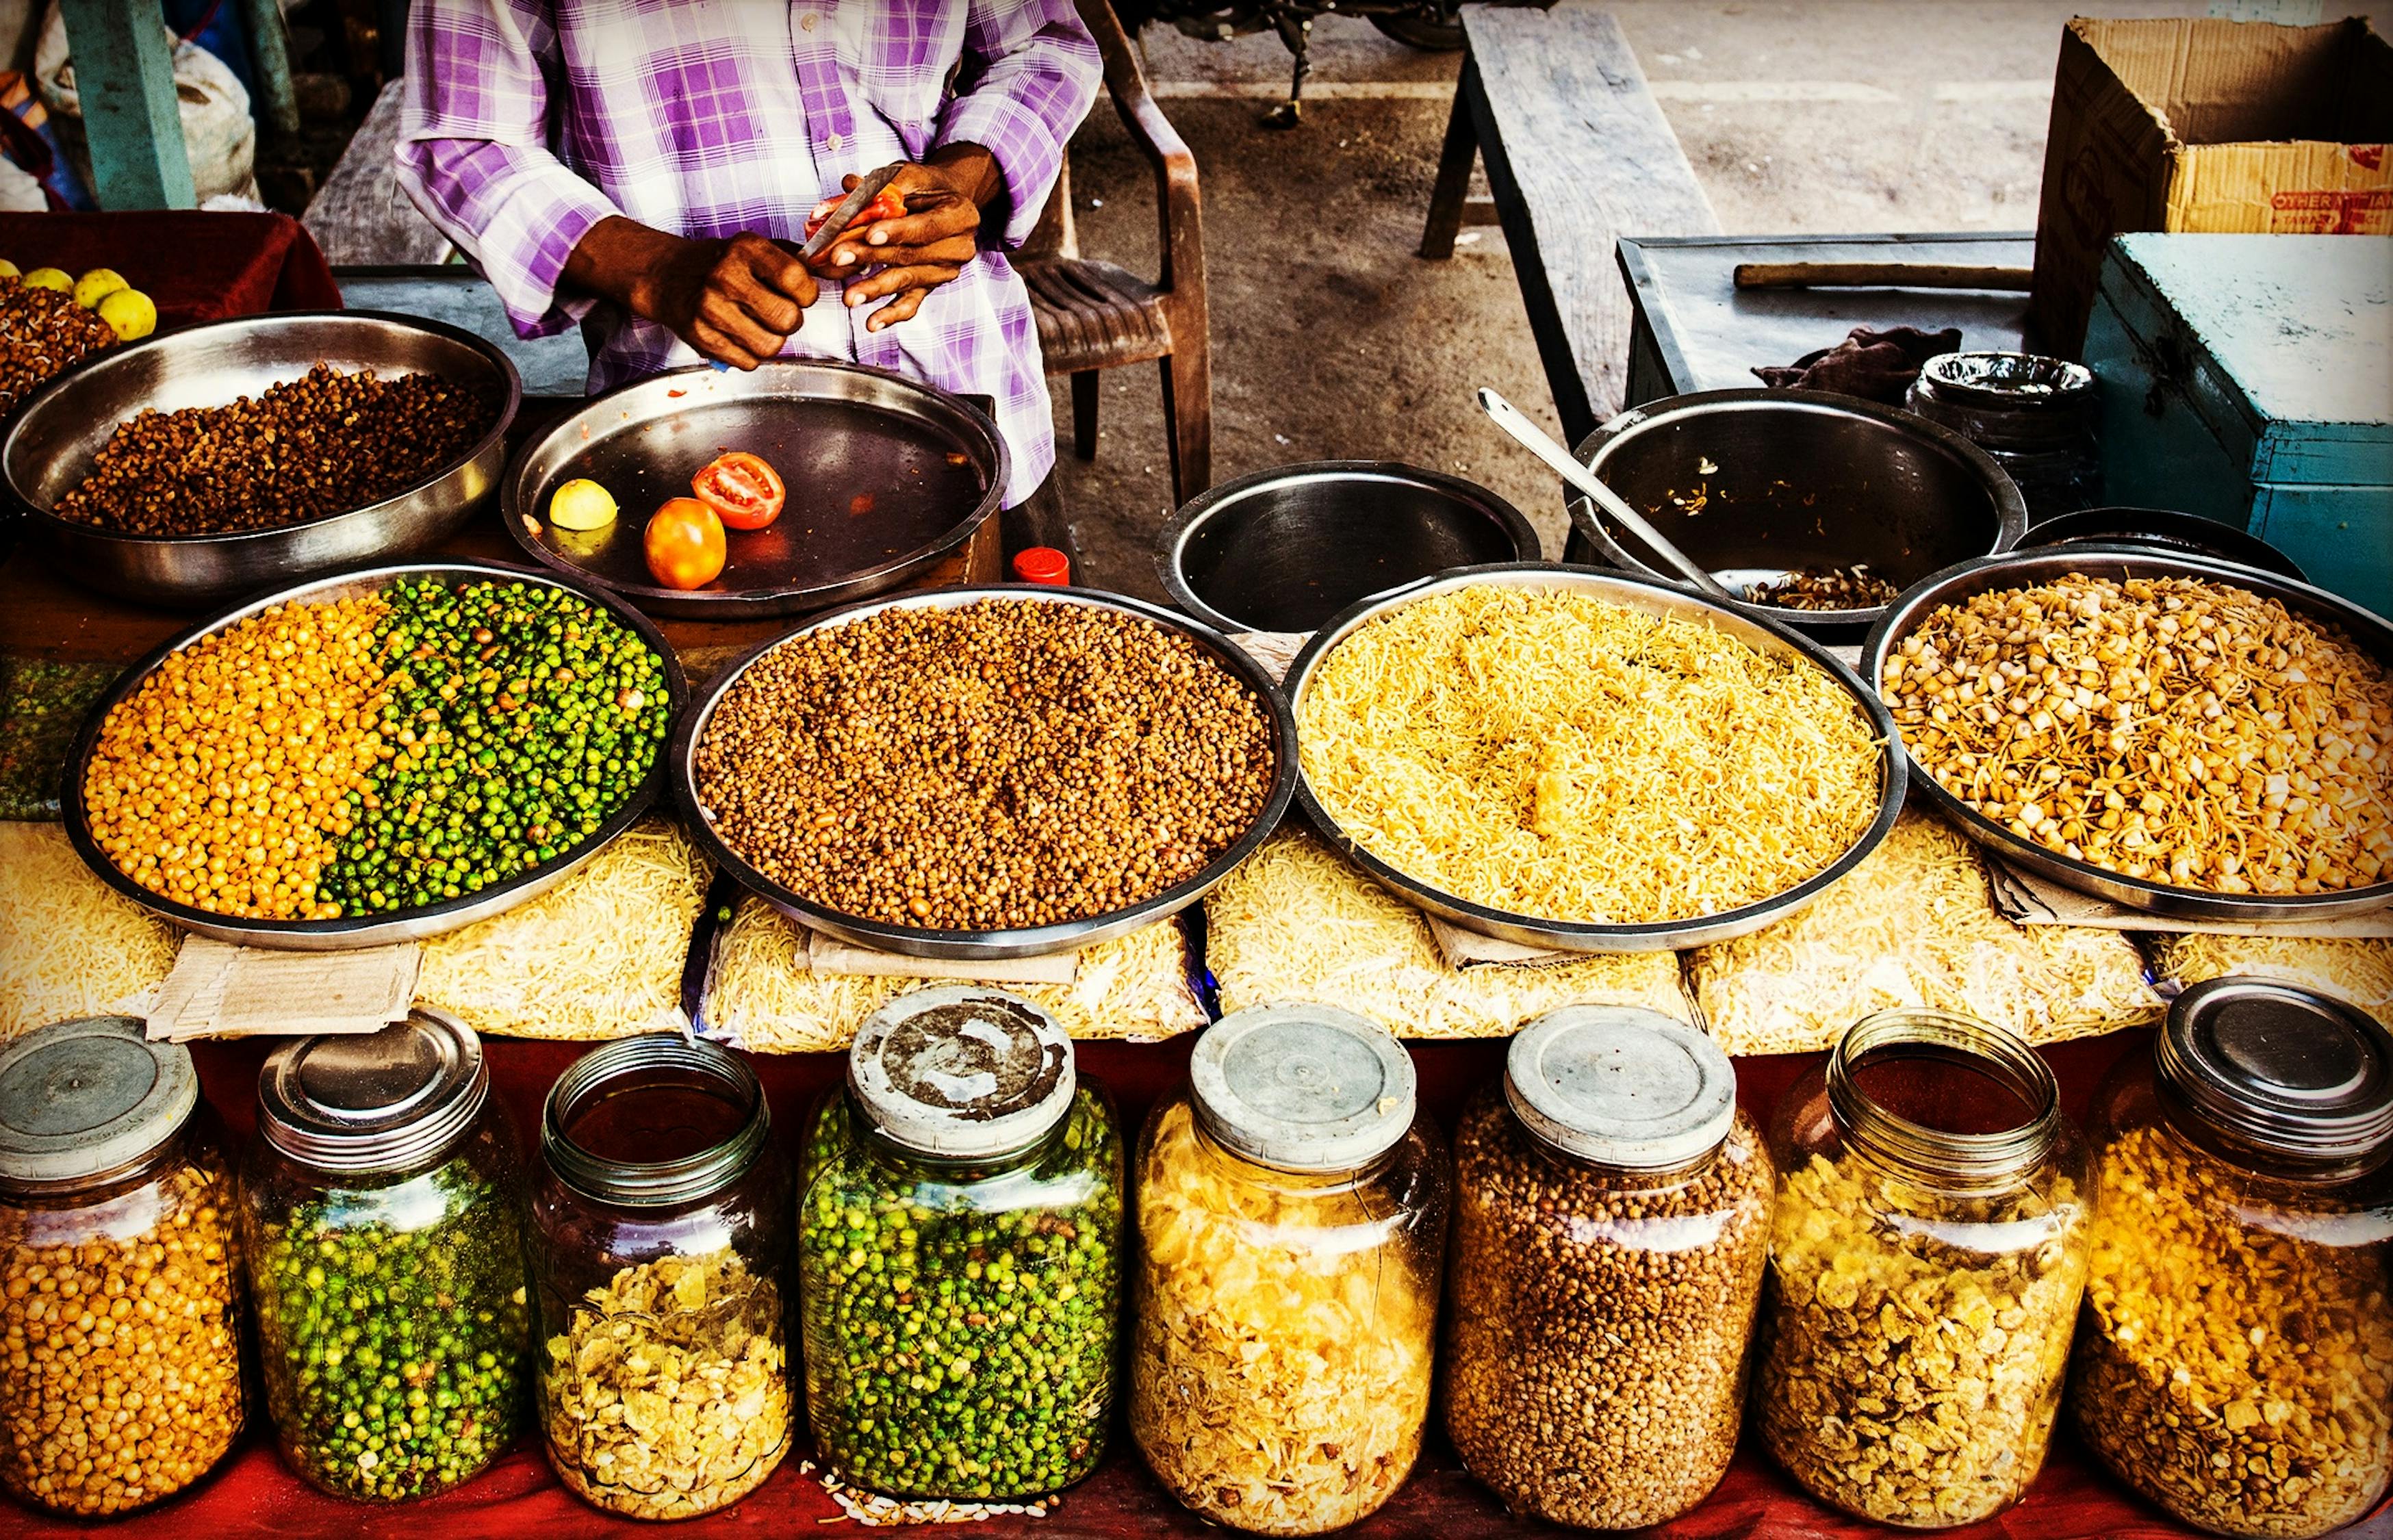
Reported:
(1034, 940)
(380, 930)
(1654, 596)
(2026, 568)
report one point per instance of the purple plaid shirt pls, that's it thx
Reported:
(529, 121)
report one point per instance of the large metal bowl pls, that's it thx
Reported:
(49, 449)
(378, 930)
(1032, 941)
(1757, 483)
(1653, 596)
(2025, 570)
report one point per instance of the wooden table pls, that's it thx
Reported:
(1578, 155)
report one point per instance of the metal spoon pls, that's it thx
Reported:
(1536, 441)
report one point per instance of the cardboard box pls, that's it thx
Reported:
(2205, 126)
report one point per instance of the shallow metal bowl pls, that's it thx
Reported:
(2162, 529)
(1285, 549)
(1755, 484)
(49, 449)
(2025, 570)
(376, 930)
(1652, 597)
(1031, 940)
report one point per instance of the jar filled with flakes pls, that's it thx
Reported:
(1292, 1222)
(1927, 1251)
(119, 1341)
(960, 1236)
(2235, 1360)
(1612, 1216)
(661, 1233)
(381, 1223)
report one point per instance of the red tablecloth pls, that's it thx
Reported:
(193, 266)
(254, 1495)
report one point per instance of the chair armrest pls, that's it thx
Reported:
(1176, 201)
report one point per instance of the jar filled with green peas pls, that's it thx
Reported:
(382, 1226)
(960, 1234)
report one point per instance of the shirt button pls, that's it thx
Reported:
(830, 141)
(808, 21)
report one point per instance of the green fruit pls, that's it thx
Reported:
(49, 278)
(129, 314)
(581, 504)
(7, 268)
(97, 285)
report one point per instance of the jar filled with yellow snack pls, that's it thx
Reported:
(120, 1342)
(660, 1235)
(1927, 1251)
(2235, 1360)
(1291, 1215)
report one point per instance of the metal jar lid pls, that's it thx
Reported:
(1303, 1087)
(1621, 1086)
(699, 1064)
(2280, 1068)
(81, 1097)
(373, 1100)
(962, 1072)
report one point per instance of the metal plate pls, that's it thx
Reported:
(2025, 570)
(377, 930)
(836, 432)
(1034, 941)
(49, 449)
(1652, 597)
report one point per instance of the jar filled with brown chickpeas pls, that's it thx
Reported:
(1612, 1217)
(120, 1343)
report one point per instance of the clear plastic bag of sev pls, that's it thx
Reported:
(1297, 922)
(762, 995)
(2360, 971)
(70, 946)
(1915, 925)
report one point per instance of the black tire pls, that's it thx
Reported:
(1429, 37)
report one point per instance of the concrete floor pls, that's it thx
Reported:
(1331, 340)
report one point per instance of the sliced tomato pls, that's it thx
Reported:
(684, 544)
(745, 492)
(886, 205)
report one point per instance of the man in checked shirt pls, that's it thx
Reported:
(646, 167)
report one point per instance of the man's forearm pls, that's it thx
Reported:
(619, 259)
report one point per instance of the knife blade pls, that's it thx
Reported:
(849, 207)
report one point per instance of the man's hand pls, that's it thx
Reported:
(946, 201)
(735, 300)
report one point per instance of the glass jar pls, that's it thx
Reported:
(1927, 1255)
(958, 1250)
(382, 1221)
(120, 1331)
(1292, 1221)
(659, 1232)
(2235, 1361)
(1612, 1215)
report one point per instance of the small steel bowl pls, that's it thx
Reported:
(2165, 530)
(1796, 479)
(2025, 570)
(372, 930)
(1653, 596)
(1031, 940)
(48, 450)
(1285, 549)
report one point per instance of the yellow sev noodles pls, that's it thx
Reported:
(1554, 754)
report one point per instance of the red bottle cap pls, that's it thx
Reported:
(1043, 563)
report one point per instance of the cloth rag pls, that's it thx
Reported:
(1876, 366)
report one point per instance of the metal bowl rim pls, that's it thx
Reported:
(695, 601)
(1904, 615)
(1199, 511)
(1581, 935)
(1031, 940)
(496, 437)
(359, 930)
(2163, 543)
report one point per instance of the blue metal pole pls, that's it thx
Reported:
(270, 66)
(125, 76)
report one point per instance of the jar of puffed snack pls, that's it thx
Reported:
(119, 1341)
(1927, 1255)
(1292, 1219)
(661, 1233)
(2235, 1360)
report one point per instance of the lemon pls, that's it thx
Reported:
(581, 504)
(7, 268)
(129, 314)
(97, 285)
(49, 278)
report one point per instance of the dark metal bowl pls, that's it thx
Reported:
(49, 449)
(372, 930)
(2163, 529)
(1654, 596)
(1798, 480)
(1287, 548)
(1031, 940)
(2026, 569)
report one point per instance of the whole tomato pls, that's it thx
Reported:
(684, 544)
